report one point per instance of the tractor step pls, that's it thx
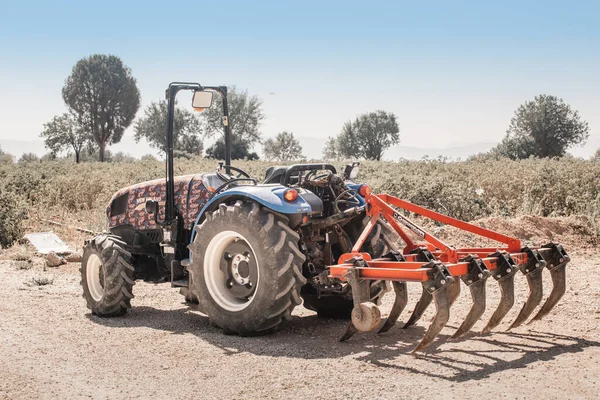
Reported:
(180, 283)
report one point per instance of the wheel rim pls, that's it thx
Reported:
(94, 280)
(231, 271)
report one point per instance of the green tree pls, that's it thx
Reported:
(368, 136)
(330, 151)
(239, 150)
(63, 133)
(187, 129)
(103, 95)
(543, 127)
(284, 147)
(245, 117)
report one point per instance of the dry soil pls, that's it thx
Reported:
(52, 347)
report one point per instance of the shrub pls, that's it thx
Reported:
(13, 211)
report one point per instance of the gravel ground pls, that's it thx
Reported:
(52, 347)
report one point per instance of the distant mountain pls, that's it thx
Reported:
(453, 152)
(313, 146)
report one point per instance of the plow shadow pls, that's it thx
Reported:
(308, 337)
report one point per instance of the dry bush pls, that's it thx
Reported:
(13, 212)
(479, 187)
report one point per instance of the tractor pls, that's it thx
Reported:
(246, 253)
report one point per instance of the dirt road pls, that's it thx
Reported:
(52, 347)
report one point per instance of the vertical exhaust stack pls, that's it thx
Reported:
(440, 268)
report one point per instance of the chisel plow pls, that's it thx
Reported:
(440, 267)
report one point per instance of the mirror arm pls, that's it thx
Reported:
(222, 90)
(171, 92)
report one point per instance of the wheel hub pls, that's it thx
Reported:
(240, 269)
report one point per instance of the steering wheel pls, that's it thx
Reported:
(226, 177)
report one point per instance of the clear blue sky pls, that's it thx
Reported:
(453, 72)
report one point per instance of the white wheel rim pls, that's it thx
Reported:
(215, 278)
(93, 277)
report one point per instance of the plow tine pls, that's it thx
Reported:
(557, 260)
(349, 332)
(475, 279)
(420, 308)
(559, 281)
(399, 304)
(534, 280)
(454, 291)
(507, 300)
(533, 273)
(441, 299)
(505, 275)
(478, 295)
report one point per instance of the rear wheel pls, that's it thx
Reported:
(245, 269)
(107, 276)
(380, 241)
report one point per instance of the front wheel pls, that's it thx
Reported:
(107, 276)
(245, 268)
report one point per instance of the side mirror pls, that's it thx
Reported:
(351, 170)
(202, 100)
(151, 206)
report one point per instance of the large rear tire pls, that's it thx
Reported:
(245, 269)
(107, 276)
(380, 241)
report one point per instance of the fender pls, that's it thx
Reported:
(270, 196)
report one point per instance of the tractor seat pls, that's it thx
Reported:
(275, 175)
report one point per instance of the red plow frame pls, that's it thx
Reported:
(438, 266)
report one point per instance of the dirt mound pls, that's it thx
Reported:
(574, 231)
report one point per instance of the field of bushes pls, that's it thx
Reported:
(467, 190)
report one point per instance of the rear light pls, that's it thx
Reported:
(364, 190)
(290, 195)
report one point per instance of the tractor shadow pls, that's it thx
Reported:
(474, 357)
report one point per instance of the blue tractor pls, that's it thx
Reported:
(245, 251)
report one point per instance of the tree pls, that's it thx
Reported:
(543, 127)
(368, 136)
(187, 129)
(104, 97)
(596, 156)
(245, 116)
(63, 133)
(284, 147)
(331, 151)
(239, 150)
